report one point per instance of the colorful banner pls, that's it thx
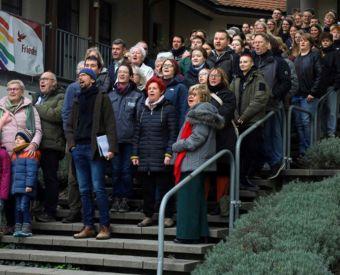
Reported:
(21, 49)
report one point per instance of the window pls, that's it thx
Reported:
(105, 23)
(68, 15)
(12, 6)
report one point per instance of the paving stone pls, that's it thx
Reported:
(46, 256)
(171, 264)
(123, 261)
(69, 241)
(11, 254)
(39, 239)
(84, 258)
(111, 243)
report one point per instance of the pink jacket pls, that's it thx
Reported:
(5, 174)
(18, 121)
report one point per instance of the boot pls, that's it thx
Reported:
(26, 230)
(168, 222)
(86, 232)
(145, 222)
(104, 233)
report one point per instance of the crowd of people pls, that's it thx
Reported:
(158, 120)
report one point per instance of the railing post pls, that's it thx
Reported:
(160, 257)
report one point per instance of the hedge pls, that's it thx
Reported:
(296, 231)
(323, 155)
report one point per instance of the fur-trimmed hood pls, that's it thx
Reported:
(205, 113)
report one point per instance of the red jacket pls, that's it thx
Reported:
(5, 174)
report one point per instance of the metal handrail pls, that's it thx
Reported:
(290, 111)
(238, 156)
(319, 104)
(167, 196)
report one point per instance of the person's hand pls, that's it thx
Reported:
(30, 149)
(109, 155)
(167, 160)
(310, 98)
(186, 54)
(28, 189)
(135, 162)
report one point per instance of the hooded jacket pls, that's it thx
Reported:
(18, 121)
(155, 132)
(201, 144)
(126, 105)
(51, 121)
(177, 93)
(252, 94)
(25, 172)
(223, 61)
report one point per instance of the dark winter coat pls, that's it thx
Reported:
(223, 61)
(276, 73)
(25, 172)
(177, 93)
(225, 137)
(103, 124)
(72, 91)
(51, 122)
(331, 67)
(201, 144)
(125, 106)
(252, 94)
(191, 77)
(5, 168)
(309, 73)
(155, 132)
(103, 81)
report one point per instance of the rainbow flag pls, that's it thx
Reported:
(21, 48)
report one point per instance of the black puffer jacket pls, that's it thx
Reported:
(331, 67)
(309, 73)
(155, 132)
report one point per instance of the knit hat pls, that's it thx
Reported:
(25, 134)
(89, 72)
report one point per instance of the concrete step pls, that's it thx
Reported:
(25, 270)
(114, 243)
(96, 259)
(127, 229)
(135, 217)
(310, 172)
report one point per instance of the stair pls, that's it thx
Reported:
(131, 250)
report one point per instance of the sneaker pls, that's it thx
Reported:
(168, 222)
(145, 222)
(124, 207)
(275, 170)
(26, 230)
(44, 217)
(17, 230)
(116, 205)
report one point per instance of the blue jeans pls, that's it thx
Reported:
(122, 172)
(273, 140)
(22, 208)
(303, 121)
(331, 111)
(90, 176)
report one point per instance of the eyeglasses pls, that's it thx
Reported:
(215, 76)
(45, 79)
(167, 66)
(13, 89)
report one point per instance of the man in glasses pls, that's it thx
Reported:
(48, 102)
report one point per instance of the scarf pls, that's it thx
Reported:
(217, 88)
(187, 130)
(178, 53)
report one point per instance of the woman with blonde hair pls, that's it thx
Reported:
(195, 144)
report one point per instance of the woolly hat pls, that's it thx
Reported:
(25, 134)
(89, 72)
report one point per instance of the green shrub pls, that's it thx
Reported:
(295, 231)
(324, 155)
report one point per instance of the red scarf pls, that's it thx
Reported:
(187, 130)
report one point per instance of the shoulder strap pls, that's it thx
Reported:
(217, 98)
